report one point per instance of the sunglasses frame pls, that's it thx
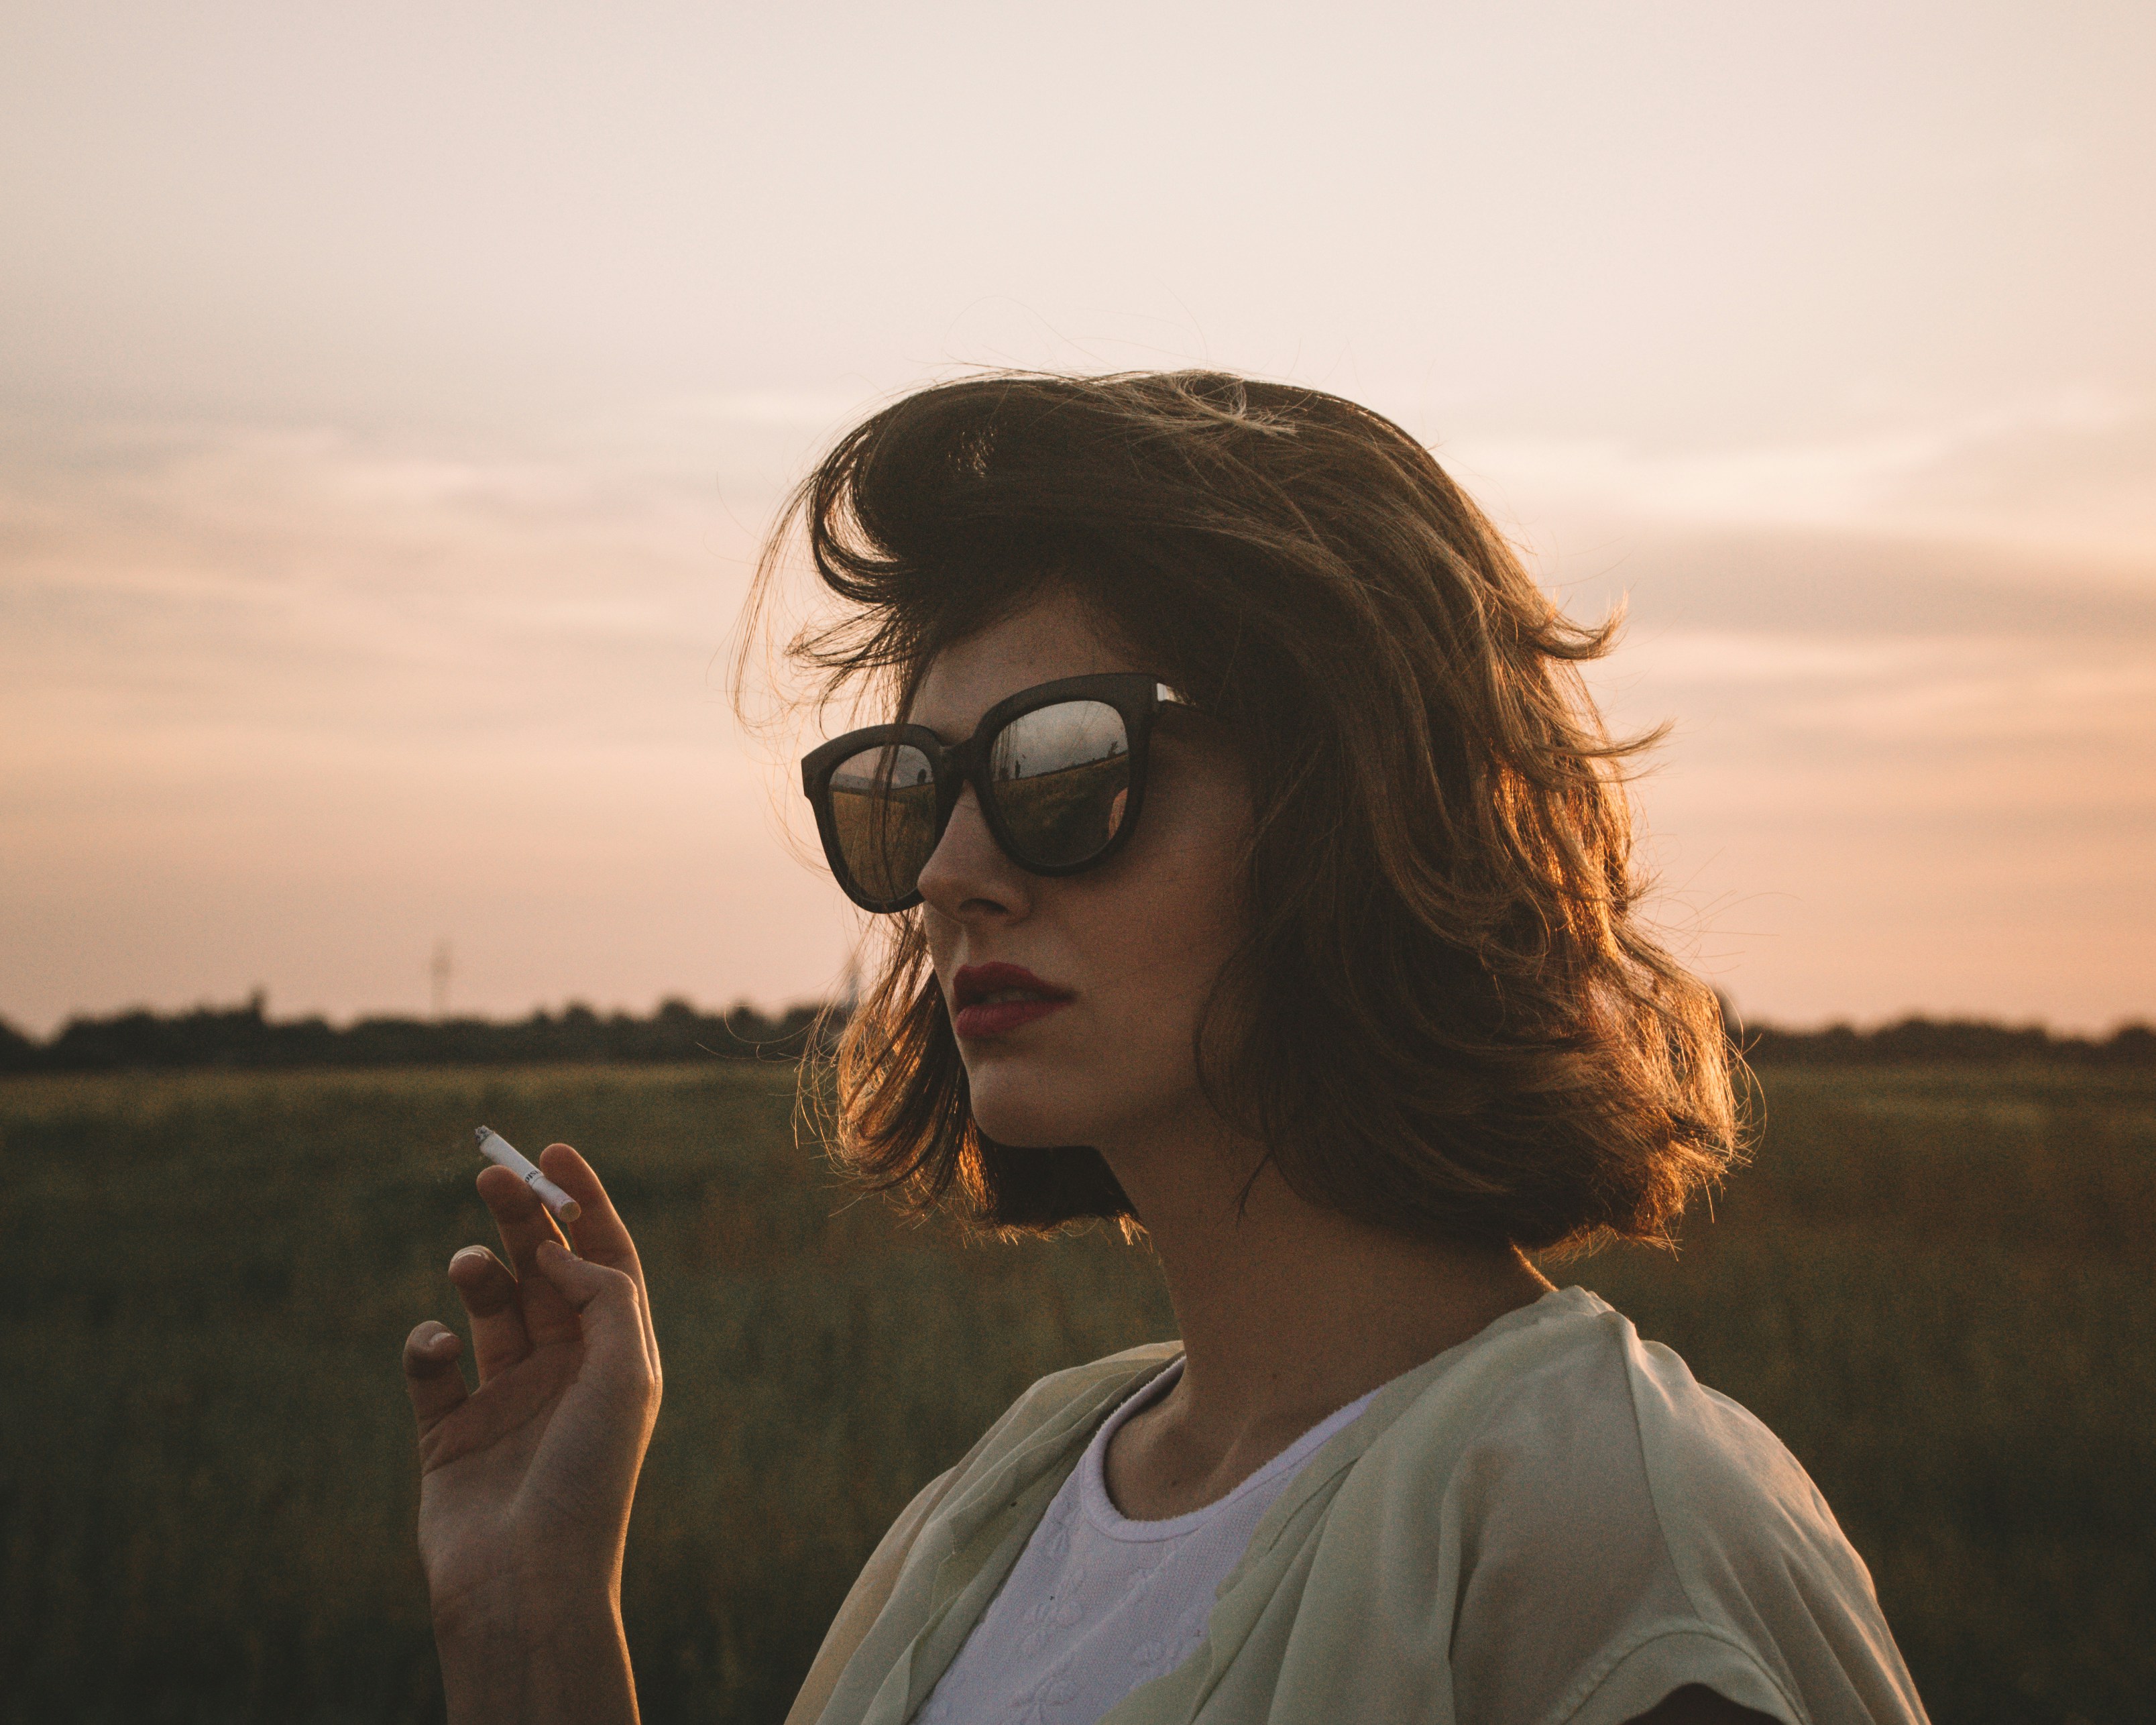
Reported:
(1137, 695)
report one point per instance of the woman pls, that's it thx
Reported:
(1259, 878)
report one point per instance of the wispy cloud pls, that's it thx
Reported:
(2070, 471)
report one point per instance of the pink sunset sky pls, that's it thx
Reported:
(392, 398)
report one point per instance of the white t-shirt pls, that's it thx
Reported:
(1099, 1603)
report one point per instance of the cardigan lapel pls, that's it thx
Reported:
(983, 1527)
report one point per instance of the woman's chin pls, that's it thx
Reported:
(1024, 1124)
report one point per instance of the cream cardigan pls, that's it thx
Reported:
(1485, 1544)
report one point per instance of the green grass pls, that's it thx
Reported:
(1930, 1285)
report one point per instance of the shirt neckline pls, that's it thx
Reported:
(1100, 1509)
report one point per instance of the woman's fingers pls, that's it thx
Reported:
(431, 1376)
(482, 1282)
(523, 1220)
(547, 1314)
(609, 1307)
(525, 1226)
(600, 1235)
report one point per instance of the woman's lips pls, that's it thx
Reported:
(994, 1019)
(1025, 997)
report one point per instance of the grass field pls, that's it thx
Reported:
(1932, 1285)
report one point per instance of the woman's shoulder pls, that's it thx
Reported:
(1563, 1391)
(1605, 1515)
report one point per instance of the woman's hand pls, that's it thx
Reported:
(526, 1482)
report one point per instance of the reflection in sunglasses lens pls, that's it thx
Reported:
(1062, 777)
(883, 803)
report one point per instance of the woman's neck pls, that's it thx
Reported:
(1288, 1311)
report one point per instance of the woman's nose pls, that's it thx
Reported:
(968, 876)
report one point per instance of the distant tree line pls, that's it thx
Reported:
(246, 1037)
(1944, 1042)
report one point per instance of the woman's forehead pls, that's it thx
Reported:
(1053, 636)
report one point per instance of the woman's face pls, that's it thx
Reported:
(1131, 949)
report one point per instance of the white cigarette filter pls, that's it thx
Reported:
(497, 1148)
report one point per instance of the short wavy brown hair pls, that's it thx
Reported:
(1455, 1024)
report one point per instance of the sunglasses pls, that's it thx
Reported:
(1059, 768)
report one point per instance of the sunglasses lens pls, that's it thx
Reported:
(1062, 776)
(883, 804)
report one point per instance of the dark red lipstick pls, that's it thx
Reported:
(990, 999)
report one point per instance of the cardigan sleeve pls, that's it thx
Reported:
(1624, 1532)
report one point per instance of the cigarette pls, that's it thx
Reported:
(494, 1147)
